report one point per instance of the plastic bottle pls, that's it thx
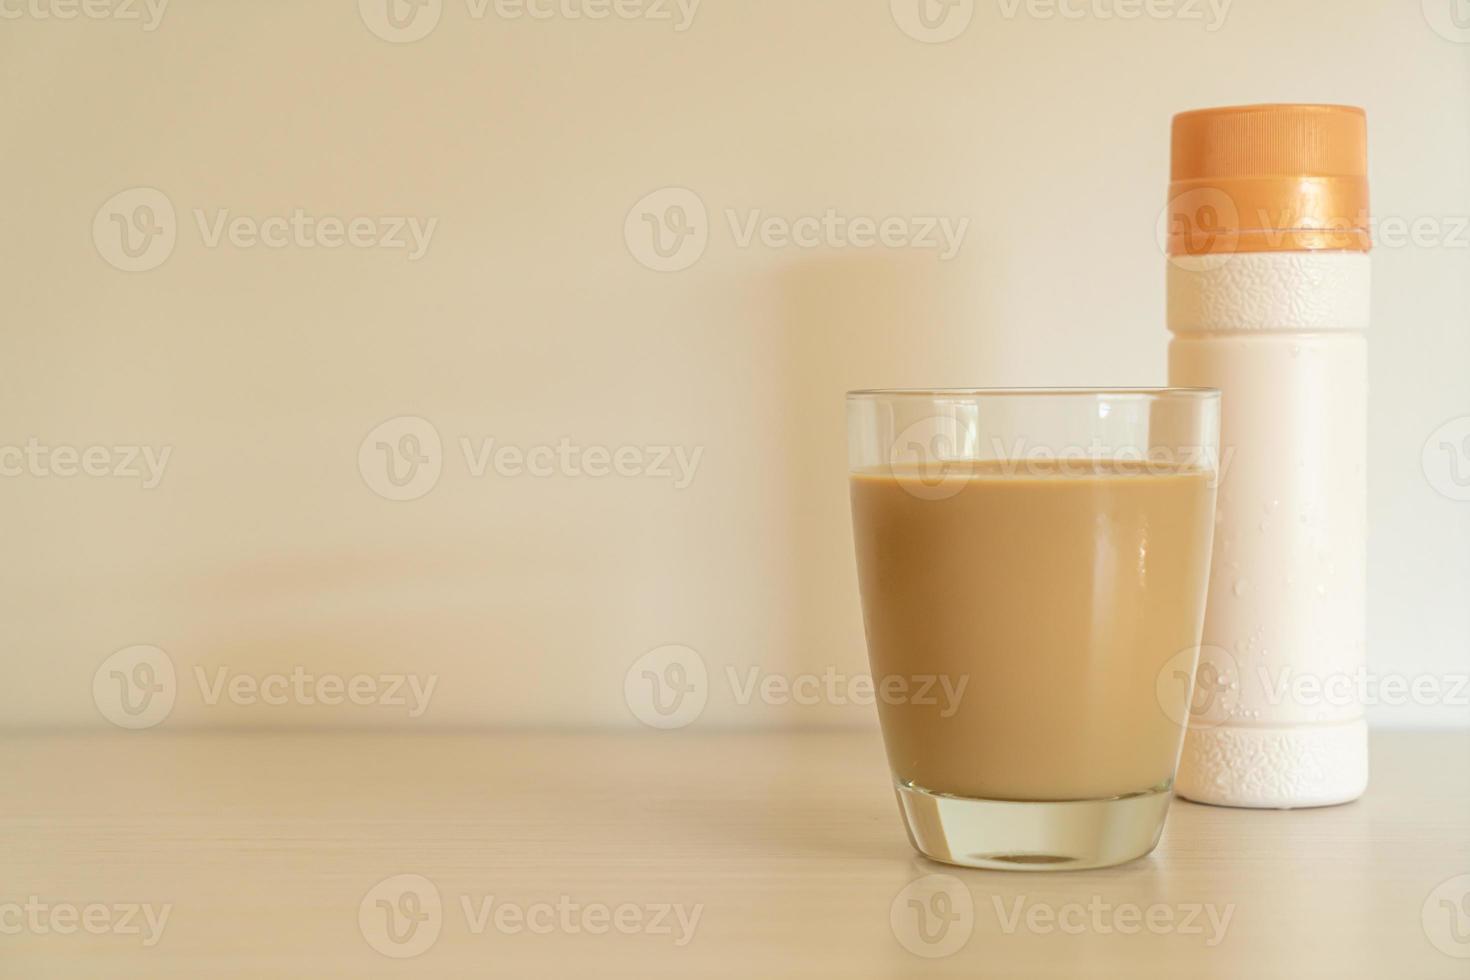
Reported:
(1268, 287)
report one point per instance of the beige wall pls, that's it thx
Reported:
(530, 319)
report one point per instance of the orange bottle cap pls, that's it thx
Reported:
(1269, 178)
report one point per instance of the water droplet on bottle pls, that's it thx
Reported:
(1240, 588)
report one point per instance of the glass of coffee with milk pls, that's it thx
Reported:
(1041, 557)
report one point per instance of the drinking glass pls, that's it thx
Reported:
(1033, 566)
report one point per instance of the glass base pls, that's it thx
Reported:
(1007, 835)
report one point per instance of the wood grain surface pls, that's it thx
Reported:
(679, 854)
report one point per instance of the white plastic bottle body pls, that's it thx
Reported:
(1278, 716)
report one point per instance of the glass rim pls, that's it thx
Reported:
(1197, 393)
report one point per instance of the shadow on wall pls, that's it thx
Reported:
(888, 319)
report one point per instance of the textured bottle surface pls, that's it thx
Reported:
(1277, 720)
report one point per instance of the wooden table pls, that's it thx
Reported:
(678, 854)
